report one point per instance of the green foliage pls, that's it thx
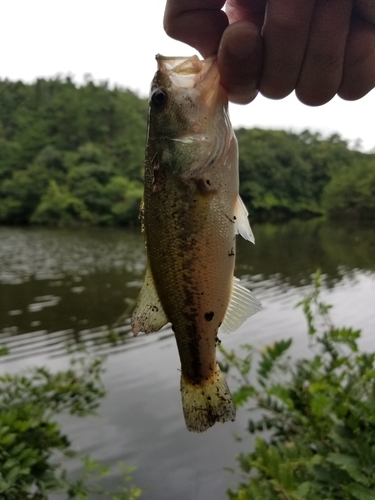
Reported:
(31, 438)
(284, 174)
(319, 414)
(124, 195)
(66, 150)
(89, 140)
(351, 194)
(59, 207)
(90, 481)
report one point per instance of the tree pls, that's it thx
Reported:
(59, 207)
(351, 194)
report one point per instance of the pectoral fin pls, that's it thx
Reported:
(242, 222)
(242, 305)
(149, 315)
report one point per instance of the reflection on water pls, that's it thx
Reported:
(66, 287)
(294, 251)
(73, 280)
(67, 279)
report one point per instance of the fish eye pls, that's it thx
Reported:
(159, 97)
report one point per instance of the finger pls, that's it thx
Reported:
(285, 33)
(246, 10)
(322, 70)
(239, 61)
(359, 62)
(199, 23)
(367, 9)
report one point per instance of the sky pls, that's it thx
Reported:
(116, 40)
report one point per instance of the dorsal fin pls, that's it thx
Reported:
(149, 315)
(242, 222)
(242, 305)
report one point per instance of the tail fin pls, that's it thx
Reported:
(206, 403)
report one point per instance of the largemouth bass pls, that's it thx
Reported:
(191, 214)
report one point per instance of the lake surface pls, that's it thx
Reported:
(60, 287)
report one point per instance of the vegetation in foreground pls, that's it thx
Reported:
(33, 447)
(74, 155)
(315, 418)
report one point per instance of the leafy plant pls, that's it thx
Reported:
(319, 414)
(31, 438)
(90, 481)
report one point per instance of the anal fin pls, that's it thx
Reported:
(149, 315)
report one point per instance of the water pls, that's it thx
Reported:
(60, 287)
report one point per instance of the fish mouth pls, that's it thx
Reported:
(187, 73)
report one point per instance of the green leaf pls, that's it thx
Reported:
(360, 492)
(12, 474)
(320, 404)
(282, 393)
(10, 463)
(271, 356)
(351, 465)
(303, 489)
(241, 396)
(4, 350)
(3, 484)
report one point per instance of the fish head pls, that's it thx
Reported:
(187, 108)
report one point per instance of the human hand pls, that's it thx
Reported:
(318, 48)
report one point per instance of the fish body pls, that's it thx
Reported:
(191, 214)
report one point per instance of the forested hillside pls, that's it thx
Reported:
(74, 155)
(284, 174)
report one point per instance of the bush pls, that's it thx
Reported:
(31, 439)
(318, 412)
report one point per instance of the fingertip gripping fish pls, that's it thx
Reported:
(191, 213)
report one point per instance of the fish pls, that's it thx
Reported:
(191, 213)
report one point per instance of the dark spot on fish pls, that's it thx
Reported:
(205, 187)
(159, 177)
(231, 253)
(208, 316)
(234, 217)
(209, 398)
